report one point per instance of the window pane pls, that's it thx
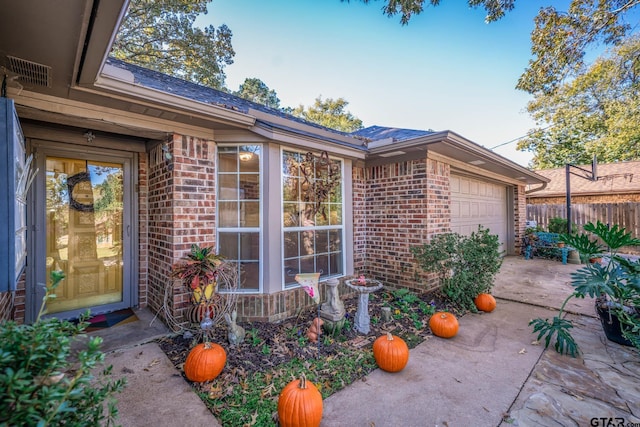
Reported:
(290, 163)
(227, 214)
(291, 268)
(249, 246)
(307, 243)
(335, 263)
(335, 240)
(322, 241)
(228, 244)
(291, 246)
(249, 276)
(249, 214)
(249, 156)
(322, 264)
(250, 186)
(290, 215)
(322, 217)
(227, 159)
(290, 189)
(228, 187)
(336, 214)
(307, 265)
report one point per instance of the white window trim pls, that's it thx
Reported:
(342, 227)
(261, 205)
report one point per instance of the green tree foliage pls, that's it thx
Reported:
(257, 91)
(329, 113)
(597, 113)
(560, 38)
(160, 35)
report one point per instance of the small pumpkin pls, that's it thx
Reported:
(205, 362)
(485, 302)
(443, 324)
(391, 353)
(300, 404)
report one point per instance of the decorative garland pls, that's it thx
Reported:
(72, 181)
(318, 190)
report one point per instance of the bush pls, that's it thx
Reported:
(558, 225)
(43, 383)
(466, 265)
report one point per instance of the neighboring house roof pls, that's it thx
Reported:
(613, 178)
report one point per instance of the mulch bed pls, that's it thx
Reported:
(268, 345)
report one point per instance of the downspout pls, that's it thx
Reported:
(533, 190)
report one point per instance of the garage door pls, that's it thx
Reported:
(476, 202)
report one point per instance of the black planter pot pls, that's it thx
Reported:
(611, 326)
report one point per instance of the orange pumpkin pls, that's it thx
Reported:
(300, 404)
(391, 353)
(205, 362)
(444, 325)
(485, 302)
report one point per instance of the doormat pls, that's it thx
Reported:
(108, 320)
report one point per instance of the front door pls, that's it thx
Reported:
(83, 229)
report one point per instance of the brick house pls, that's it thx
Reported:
(135, 166)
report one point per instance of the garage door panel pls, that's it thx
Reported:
(476, 202)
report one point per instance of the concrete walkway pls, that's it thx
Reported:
(492, 373)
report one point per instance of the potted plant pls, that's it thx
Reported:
(199, 271)
(615, 285)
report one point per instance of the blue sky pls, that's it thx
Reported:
(446, 70)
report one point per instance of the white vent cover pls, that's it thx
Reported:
(31, 72)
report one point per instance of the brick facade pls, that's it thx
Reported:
(520, 216)
(405, 203)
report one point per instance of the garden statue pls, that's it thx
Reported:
(236, 333)
(332, 311)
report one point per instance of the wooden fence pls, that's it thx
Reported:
(626, 215)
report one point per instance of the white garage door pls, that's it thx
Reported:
(476, 202)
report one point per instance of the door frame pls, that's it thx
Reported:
(37, 224)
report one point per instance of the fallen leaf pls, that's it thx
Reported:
(536, 342)
(523, 351)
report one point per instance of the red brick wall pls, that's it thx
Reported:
(12, 306)
(405, 203)
(520, 215)
(359, 221)
(143, 229)
(181, 212)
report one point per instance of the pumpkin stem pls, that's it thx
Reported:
(207, 345)
(389, 336)
(303, 381)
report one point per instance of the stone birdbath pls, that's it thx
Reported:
(364, 287)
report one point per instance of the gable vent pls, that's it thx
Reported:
(31, 72)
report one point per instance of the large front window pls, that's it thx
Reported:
(312, 214)
(239, 211)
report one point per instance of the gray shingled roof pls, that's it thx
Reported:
(172, 85)
(375, 133)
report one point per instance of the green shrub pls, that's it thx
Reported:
(44, 383)
(466, 265)
(558, 225)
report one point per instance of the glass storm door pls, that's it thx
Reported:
(85, 236)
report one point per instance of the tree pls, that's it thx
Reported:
(160, 35)
(257, 91)
(329, 113)
(598, 113)
(559, 40)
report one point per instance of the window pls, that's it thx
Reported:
(312, 214)
(239, 200)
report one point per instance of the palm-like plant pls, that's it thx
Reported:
(198, 270)
(615, 285)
